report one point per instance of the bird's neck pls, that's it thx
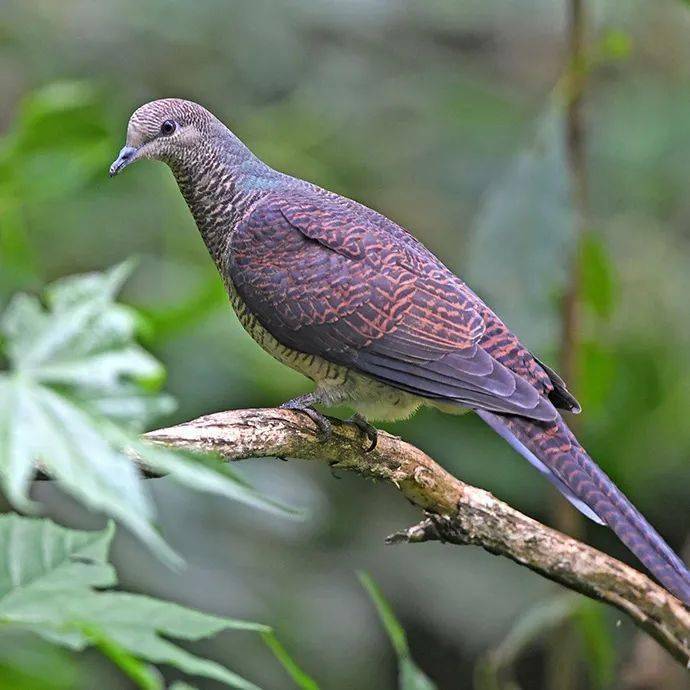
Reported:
(219, 184)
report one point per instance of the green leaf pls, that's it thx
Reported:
(28, 662)
(61, 127)
(18, 265)
(598, 642)
(143, 675)
(530, 626)
(59, 142)
(599, 366)
(301, 679)
(136, 623)
(410, 676)
(597, 275)
(538, 620)
(78, 391)
(48, 576)
(198, 472)
(86, 342)
(614, 45)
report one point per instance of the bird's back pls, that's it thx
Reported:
(330, 208)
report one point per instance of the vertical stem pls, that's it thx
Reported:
(562, 661)
(565, 517)
(577, 164)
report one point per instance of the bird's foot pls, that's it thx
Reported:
(321, 421)
(371, 433)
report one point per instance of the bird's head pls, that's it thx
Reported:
(167, 130)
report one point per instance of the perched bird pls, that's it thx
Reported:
(350, 299)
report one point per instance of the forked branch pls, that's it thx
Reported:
(455, 512)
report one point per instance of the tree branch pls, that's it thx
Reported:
(455, 512)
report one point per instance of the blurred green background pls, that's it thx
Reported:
(446, 117)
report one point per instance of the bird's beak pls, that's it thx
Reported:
(126, 156)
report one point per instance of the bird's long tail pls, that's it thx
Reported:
(555, 451)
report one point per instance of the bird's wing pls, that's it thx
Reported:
(352, 287)
(339, 281)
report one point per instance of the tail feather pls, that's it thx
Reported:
(499, 426)
(559, 455)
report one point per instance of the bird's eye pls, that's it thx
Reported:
(168, 127)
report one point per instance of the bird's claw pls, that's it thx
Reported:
(370, 432)
(325, 430)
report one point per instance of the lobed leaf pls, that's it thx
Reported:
(48, 580)
(78, 391)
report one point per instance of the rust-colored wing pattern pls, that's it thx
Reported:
(357, 290)
(328, 277)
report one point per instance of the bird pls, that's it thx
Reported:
(353, 301)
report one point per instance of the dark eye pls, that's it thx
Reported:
(168, 127)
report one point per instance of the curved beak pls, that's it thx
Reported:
(126, 156)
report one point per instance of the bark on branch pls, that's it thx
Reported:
(455, 512)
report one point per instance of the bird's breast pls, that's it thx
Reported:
(312, 366)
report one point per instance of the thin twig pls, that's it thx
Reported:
(456, 512)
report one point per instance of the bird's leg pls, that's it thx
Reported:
(304, 403)
(370, 432)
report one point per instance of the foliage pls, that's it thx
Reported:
(28, 662)
(57, 583)
(300, 678)
(410, 676)
(77, 391)
(496, 669)
(57, 144)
